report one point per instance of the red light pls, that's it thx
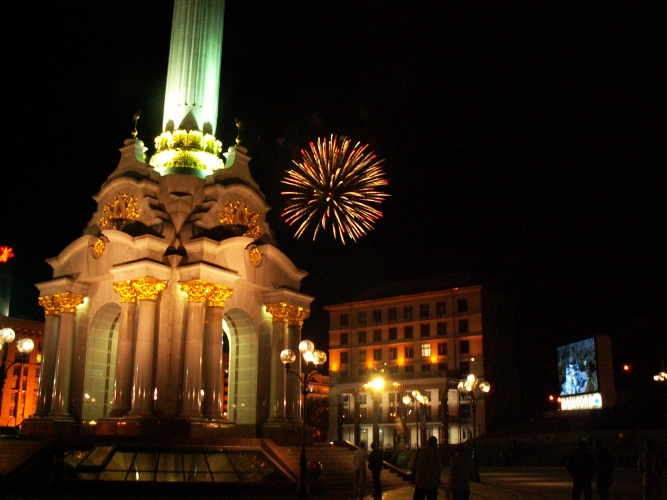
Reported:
(626, 368)
(6, 253)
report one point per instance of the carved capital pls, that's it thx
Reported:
(148, 288)
(197, 290)
(298, 315)
(125, 290)
(67, 302)
(50, 305)
(219, 294)
(279, 311)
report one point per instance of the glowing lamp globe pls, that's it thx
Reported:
(319, 357)
(287, 357)
(7, 335)
(485, 386)
(306, 346)
(308, 356)
(406, 400)
(25, 346)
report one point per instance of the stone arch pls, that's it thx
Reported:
(243, 365)
(100, 369)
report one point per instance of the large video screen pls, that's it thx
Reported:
(578, 368)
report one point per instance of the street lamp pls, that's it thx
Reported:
(313, 360)
(660, 377)
(416, 398)
(375, 387)
(24, 347)
(467, 390)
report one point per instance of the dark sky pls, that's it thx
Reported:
(524, 145)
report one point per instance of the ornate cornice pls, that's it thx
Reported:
(148, 288)
(219, 295)
(288, 313)
(125, 290)
(197, 290)
(50, 305)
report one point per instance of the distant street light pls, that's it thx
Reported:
(417, 399)
(375, 387)
(467, 390)
(660, 377)
(313, 360)
(24, 347)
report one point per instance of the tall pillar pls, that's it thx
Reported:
(197, 291)
(280, 313)
(122, 399)
(63, 370)
(49, 354)
(147, 290)
(293, 410)
(213, 387)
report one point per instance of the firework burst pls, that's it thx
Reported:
(335, 185)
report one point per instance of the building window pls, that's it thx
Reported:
(442, 348)
(409, 351)
(362, 337)
(377, 354)
(407, 332)
(407, 313)
(363, 372)
(442, 329)
(464, 368)
(344, 339)
(425, 330)
(423, 311)
(362, 356)
(464, 347)
(393, 333)
(441, 309)
(362, 399)
(343, 357)
(361, 318)
(377, 335)
(344, 320)
(426, 350)
(391, 315)
(393, 352)
(377, 317)
(409, 369)
(393, 369)
(363, 413)
(17, 370)
(463, 326)
(465, 413)
(426, 368)
(442, 367)
(462, 305)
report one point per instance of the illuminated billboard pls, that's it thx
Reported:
(585, 374)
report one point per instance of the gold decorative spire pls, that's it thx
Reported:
(239, 127)
(137, 115)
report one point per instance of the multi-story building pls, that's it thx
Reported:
(426, 337)
(18, 396)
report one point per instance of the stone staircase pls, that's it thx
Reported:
(337, 479)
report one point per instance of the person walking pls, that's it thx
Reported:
(650, 467)
(375, 464)
(604, 467)
(359, 458)
(427, 471)
(460, 473)
(581, 468)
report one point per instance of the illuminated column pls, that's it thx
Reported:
(197, 291)
(122, 399)
(147, 290)
(280, 313)
(213, 394)
(63, 371)
(49, 354)
(297, 315)
(193, 75)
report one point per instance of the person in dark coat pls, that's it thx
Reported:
(375, 466)
(427, 471)
(604, 467)
(581, 467)
(460, 472)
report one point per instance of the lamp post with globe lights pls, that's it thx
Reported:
(24, 347)
(375, 387)
(313, 360)
(467, 390)
(417, 399)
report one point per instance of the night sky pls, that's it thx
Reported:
(524, 146)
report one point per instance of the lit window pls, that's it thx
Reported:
(426, 350)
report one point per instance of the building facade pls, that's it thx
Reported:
(18, 399)
(420, 343)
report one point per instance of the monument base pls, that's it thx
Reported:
(46, 426)
(285, 433)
